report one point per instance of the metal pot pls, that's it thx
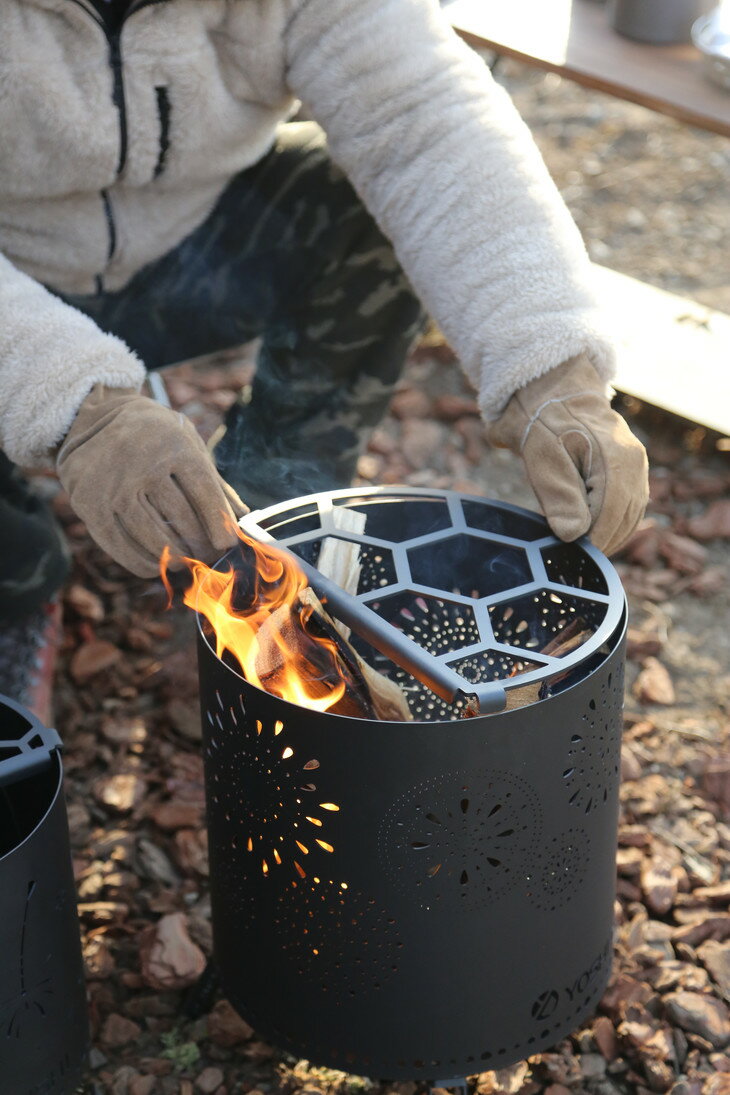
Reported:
(657, 21)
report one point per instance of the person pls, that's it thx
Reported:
(157, 202)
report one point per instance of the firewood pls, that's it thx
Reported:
(388, 701)
(570, 638)
(339, 560)
(292, 635)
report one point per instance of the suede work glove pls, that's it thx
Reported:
(589, 472)
(140, 477)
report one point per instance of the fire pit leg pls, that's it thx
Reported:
(200, 997)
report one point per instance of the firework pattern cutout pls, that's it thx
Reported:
(282, 819)
(29, 1002)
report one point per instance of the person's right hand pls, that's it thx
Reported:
(589, 472)
(141, 479)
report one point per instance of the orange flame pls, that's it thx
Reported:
(268, 636)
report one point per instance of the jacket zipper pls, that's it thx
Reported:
(163, 114)
(114, 40)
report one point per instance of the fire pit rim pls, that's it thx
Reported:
(610, 629)
(453, 724)
(54, 758)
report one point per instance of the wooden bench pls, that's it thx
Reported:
(673, 353)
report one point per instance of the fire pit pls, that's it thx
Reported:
(43, 1023)
(426, 898)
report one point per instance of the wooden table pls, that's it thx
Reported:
(672, 352)
(574, 38)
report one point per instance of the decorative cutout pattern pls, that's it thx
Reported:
(492, 665)
(551, 1015)
(569, 565)
(435, 624)
(592, 770)
(342, 939)
(464, 837)
(530, 622)
(281, 819)
(378, 569)
(29, 1002)
(560, 870)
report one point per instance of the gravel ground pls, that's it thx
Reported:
(649, 194)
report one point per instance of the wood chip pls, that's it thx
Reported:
(659, 885)
(226, 1027)
(654, 685)
(120, 793)
(118, 1031)
(714, 522)
(700, 1014)
(93, 657)
(85, 602)
(169, 958)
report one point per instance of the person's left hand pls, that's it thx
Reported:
(589, 472)
(140, 477)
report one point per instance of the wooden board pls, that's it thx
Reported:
(673, 353)
(574, 38)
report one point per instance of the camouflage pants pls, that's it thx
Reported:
(291, 255)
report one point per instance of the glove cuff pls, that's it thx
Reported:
(98, 404)
(575, 377)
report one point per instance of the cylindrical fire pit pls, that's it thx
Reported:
(432, 898)
(43, 1021)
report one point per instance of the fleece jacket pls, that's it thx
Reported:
(115, 144)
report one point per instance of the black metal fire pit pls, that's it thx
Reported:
(43, 1021)
(432, 898)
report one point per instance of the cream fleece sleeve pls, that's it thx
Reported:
(445, 164)
(51, 356)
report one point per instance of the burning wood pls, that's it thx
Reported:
(266, 617)
(340, 561)
(308, 630)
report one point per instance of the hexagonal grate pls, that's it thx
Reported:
(534, 621)
(437, 625)
(453, 574)
(378, 569)
(25, 747)
(469, 566)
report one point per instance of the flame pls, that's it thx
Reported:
(306, 673)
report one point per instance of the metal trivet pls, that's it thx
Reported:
(464, 595)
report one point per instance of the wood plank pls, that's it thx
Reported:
(672, 352)
(575, 39)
